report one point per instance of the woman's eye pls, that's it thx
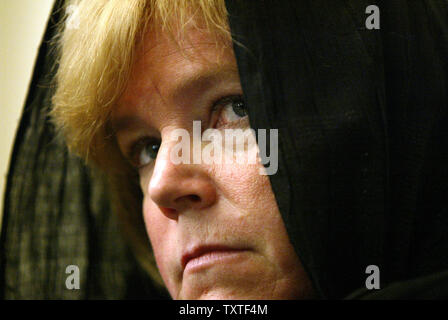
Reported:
(143, 152)
(232, 109)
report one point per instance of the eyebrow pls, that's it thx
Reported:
(199, 81)
(203, 80)
(126, 122)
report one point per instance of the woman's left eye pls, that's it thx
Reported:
(232, 109)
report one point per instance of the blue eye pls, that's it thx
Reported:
(144, 152)
(239, 107)
(232, 109)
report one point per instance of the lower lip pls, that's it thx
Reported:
(212, 258)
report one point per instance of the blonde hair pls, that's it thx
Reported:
(96, 56)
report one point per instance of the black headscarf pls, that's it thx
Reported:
(363, 134)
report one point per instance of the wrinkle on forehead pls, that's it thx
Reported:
(171, 70)
(198, 59)
(188, 40)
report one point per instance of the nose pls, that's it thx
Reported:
(179, 187)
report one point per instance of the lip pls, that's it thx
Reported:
(216, 252)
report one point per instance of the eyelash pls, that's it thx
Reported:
(221, 103)
(137, 147)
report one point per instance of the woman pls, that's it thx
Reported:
(135, 71)
(213, 236)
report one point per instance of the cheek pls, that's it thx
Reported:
(251, 207)
(246, 188)
(159, 230)
(155, 227)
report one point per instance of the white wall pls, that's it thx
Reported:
(22, 24)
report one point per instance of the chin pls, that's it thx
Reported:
(222, 295)
(238, 294)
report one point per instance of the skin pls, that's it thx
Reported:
(189, 205)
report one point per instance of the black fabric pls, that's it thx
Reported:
(57, 213)
(431, 287)
(363, 135)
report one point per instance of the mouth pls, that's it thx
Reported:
(202, 255)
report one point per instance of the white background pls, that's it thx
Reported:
(22, 24)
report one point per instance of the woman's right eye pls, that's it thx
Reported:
(144, 152)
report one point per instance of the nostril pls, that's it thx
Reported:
(168, 211)
(190, 200)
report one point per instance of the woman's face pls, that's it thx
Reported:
(215, 229)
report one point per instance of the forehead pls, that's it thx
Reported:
(165, 66)
(161, 55)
